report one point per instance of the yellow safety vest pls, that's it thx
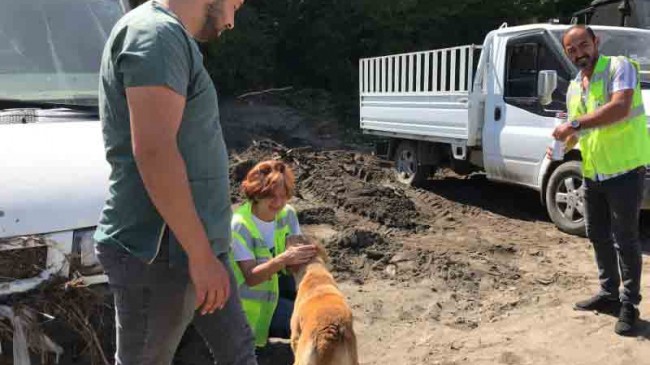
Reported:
(259, 302)
(618, 147)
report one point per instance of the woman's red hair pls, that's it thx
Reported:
(265, 177)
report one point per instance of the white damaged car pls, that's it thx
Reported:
(53, 173)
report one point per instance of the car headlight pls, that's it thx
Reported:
(85, 259)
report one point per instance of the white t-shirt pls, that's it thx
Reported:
(267, 230)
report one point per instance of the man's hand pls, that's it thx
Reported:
(549, 153)
(568, 146)
(211, 282)
(563, 131)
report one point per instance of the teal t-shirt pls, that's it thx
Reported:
(150, 47)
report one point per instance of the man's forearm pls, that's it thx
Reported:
(163, 172)
(610, 113)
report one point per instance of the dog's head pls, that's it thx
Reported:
(302, 239)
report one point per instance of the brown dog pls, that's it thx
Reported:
(321, 324)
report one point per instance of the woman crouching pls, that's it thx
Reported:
(260, 228)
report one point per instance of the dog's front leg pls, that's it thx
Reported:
(295, 333)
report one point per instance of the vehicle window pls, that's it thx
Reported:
(524, 63)
(50, 50)
(522, 70)
(641, 10)
(631, 42)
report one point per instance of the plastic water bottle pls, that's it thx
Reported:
(558, 150)
(558, 146)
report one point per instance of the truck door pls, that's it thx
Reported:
(516, 143)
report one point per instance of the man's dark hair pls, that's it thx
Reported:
(579, 26)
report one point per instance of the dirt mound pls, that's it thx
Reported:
(347, 180)
(384, 205)
(354, 253)
(317, 215)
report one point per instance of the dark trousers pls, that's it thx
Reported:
(154, 305)
(281, 321)
(612, 214)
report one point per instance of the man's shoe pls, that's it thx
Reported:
(626, 319)
(599, 304)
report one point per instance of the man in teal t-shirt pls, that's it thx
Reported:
(164, 231)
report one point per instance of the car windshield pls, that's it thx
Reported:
(50, 50)
(643, 13)
(630, 43)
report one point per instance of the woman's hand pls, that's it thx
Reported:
(255, 274)
(297, 255)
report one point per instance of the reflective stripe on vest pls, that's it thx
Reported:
(259, 302)
(618, 147)
(245, 292)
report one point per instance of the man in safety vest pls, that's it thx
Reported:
(606, 116)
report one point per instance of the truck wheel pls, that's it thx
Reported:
(408, 170)
(565, 198)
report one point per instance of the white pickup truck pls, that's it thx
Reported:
(489, 108)
(53, 173)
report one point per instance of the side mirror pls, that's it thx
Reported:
(546, 85)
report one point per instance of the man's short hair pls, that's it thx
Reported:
(579, 26)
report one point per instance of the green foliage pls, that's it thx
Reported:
(318, 43)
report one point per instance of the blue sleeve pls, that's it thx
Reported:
(294, 226)
(624, 77)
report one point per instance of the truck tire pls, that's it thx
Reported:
(565, 198)
(408, 169)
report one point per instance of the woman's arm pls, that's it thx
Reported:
(255, 274)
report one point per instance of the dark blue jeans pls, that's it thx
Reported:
(281, 321)
(612, 214)
(154, 304)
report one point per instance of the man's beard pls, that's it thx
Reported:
(208, 31)
(586, 62)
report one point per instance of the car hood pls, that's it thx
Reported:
(54, 175)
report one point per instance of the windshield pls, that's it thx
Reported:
(642, 11)
(50, 50)
(633, 44)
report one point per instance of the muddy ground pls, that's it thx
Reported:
(461, 271)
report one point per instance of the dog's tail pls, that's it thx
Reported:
(331, 340)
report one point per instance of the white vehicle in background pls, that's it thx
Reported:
(489, 108)
(53, 174)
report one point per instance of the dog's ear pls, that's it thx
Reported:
(295, 240)
(320, 249)
(303, 239)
